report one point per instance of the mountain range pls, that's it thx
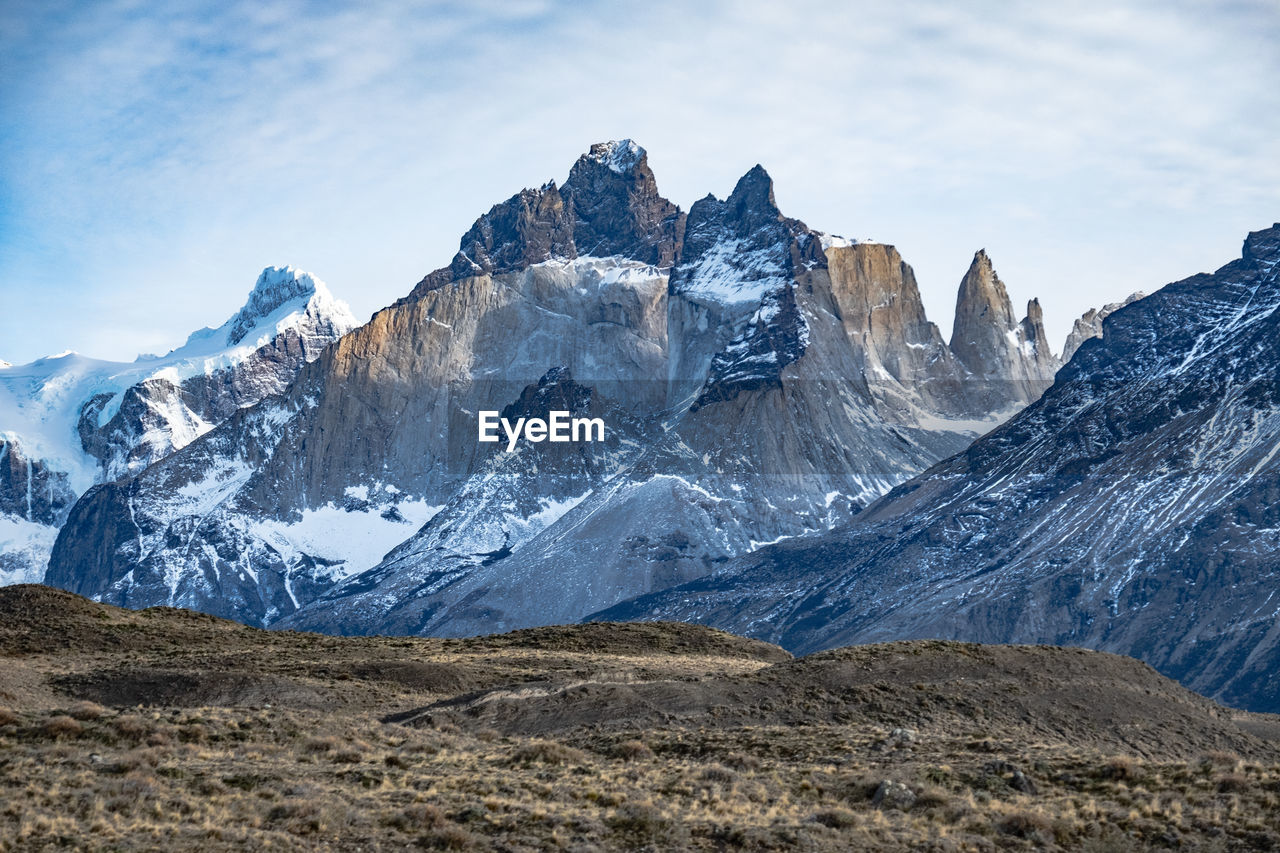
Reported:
(1134, 508)
(761, 380)
(793, 451)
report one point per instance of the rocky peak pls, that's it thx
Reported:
(984, 313)
(985, 327)
(1035, 314)
(739, 256)
(1089, 324)
(752, 200)
(609, 206)
(1263, 246)
(278, 287)
(530, 227)
(1011, 358)
(1035, 343)
(875, 289)
(881, 310)
(749, 213)
(739, 247)
(615, 208)
(619, 156)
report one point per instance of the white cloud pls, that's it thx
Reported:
(155, 160)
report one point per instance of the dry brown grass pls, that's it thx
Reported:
(385, 765)
(547, 752)
(1121, 768)
(60, 726)
(86, 711)
(131, 727)
(272, 778)
(632, 750)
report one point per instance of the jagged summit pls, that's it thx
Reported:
(740, 248)
(620, 155)
(983, 311)
(277, 287)
(610, 205)
(528, 228)
(1035, 342)
(1035, 313)
(754, 192)
(990, 341)
(1262, 246)
(616, 209)
(1089, 325)
(283, 298)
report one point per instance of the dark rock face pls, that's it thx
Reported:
(755, 384)
(609, 206)
(29, 489)
(528, 228)
(616, 208)
(1134, 508)
(776, 336)
(98, 530)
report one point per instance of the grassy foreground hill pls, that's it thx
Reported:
(166, 729)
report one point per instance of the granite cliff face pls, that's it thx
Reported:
(1134, 508)
(70, 421)
(760, 381)
(992, 343)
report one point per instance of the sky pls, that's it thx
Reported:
(154, 157)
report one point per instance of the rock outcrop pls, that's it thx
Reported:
(995, 346)
(1089, 325)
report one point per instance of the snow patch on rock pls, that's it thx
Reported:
(347, 540)
(24, 549)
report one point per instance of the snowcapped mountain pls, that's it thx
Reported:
(68, 421)
(760, 380)
(1135, 508)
